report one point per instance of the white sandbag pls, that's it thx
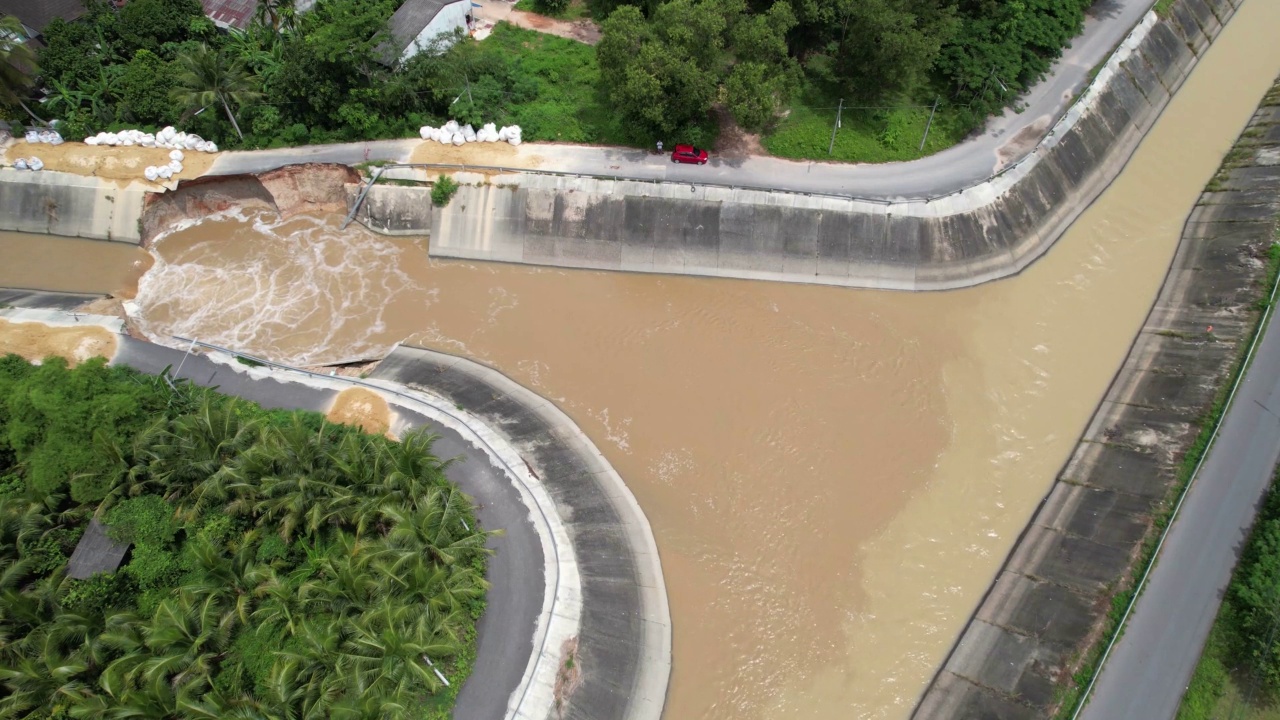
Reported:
(176, 155)
(148, 142)
(504, 133)
(458, 139)
(490, 128)
(175, 166)
(127, 142)
(35, 164)
(451, 127)
(515, 140)
(91, 141)
(150, 173)
(111, 139)
(211, 146)
(446, 138)
(33, 137)
(56, 140)
(167, 132)
(424, 132)
(165, 172)
(468, 133)
(20, 164)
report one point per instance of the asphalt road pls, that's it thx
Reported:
(1150, 666)
(505, 631)
(1004, 140)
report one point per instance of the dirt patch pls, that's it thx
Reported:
(363, 408)
(569, 677)
(112, 163)
(37, 341)
(584, 31)
(1021, 143)
(494, 153)
(312, 189)
(734, 142)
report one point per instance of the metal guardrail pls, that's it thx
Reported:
(555, 596)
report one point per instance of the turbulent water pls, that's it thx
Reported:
(833, 475)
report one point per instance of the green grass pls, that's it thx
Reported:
(864, 135)
(1163, 7)
(567, 104)
(577, 10)
(1120, 601)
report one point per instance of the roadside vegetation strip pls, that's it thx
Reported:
(1122, 603)
(1238, 675)
(332, 74)
(279, 565)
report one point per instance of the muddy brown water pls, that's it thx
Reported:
(833, 476)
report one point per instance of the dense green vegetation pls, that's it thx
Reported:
(1239, 671)
(661, 69)
(281, 566)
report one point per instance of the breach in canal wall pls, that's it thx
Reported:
(981, 233)
(1048, 606)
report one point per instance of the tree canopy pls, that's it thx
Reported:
(280, 566)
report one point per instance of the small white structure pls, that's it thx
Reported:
(418, 23)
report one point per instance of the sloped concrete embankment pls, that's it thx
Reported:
(1048, 604)
(977, 234)
(622, 663)
(319, 188)
(58, 203)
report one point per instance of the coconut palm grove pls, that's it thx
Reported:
(263, 564)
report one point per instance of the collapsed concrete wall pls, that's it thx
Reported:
(312, 188)
(980, 233)
(1050, 600)
(392, 209)
(73, 205)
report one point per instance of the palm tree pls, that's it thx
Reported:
(275, 14)
(17, 65)
(206, 77)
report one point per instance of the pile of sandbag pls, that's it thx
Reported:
(166, 138)
(453, 134)
(164, 172)
(34, 163)
(50, 137)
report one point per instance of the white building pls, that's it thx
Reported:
(419, 22)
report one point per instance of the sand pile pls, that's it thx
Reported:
(495, 153)
(363, 408)
(37, 341)
(113, 163)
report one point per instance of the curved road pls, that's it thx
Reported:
(506, 630)
(1004, 140)
(1150, 666)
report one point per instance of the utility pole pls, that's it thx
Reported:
(831, 146)
(929, 124)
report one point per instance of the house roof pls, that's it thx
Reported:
(229, 13)
(95, 553)
(412, 18)
(36, 14)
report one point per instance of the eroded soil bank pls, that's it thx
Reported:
(833, 476)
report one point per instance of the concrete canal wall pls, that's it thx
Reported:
(58, 203)
(977, 234)
(1049, 602)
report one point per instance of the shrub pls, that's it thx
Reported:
(442, 191)
(551, 7)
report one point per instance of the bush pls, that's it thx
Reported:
(551, 7)
(442, 191)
